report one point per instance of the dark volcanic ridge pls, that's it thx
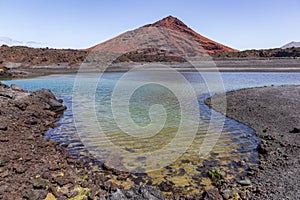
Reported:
(45, 56)
(40, 56)
(262, 53)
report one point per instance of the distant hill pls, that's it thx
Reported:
(11, 42)
(261, 53)
(169, 35)
(291, 44)
(40, 56)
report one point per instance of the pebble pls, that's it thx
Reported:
(212, 194)
(39, 183)
(166, 186)
(245, 181)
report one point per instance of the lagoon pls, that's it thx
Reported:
(89, 127)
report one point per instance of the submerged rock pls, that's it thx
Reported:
(212, 194)
(166, 186)
(216, 174)
(137, 192)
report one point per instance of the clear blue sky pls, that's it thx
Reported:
(242, 24)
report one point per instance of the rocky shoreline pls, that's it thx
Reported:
(34, 168)
(274, 114)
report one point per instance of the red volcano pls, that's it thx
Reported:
(169, 34)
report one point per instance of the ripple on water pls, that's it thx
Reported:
(235, 143)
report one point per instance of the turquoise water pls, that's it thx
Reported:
(62, 85)
(146, 133)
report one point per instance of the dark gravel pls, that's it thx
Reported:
(274, 113)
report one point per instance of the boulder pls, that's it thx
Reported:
(16, 88)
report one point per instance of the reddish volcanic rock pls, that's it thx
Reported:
(169, 34)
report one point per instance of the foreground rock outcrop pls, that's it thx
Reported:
(34, 168)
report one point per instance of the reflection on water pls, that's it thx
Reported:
(236, 142)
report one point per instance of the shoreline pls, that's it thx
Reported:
(34, 167)
(16, 70)
(273, 112)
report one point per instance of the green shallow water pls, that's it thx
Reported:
(89, 125)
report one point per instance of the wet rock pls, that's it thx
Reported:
(185, 161)
(295, 130)
(216, 174)
(137, 192)
(118, 195)
(210, 163)
(16, 88)
(113, 164)
(166, 186)
(245, 181)
(263, 147)
(123, 176)
(109, 186)
(56, 106)
(138, 180)
(44, 94)
(212, 194)
(200, 168)
(242, 163)
(150, 193)
(181, 172)
(141, 159)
